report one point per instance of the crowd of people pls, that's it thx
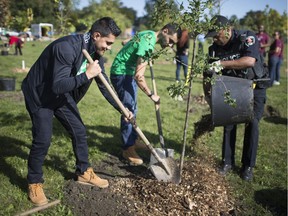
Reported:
(61, 76)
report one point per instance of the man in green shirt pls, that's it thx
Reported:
(127, 71)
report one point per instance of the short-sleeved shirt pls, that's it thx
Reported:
(263, 38)
(277, 43)
(13, 39)
(141, 45)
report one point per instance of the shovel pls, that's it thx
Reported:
(164, 169)
(164, 152)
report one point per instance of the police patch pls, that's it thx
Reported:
(250, 40)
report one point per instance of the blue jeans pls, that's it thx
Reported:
(181, 60)
(274, 64)
(126, 88)
(278, 66)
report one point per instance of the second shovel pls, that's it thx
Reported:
(162, 152)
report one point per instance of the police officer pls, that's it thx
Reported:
(237, 54)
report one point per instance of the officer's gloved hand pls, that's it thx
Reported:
(216, 66)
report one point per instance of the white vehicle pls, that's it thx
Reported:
(42, 30)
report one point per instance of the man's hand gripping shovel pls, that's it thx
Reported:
(162, 172)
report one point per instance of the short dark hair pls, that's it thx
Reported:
(173, 28)
(105, 26)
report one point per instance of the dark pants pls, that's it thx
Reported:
(18, 46)
(42, 120)
(251, 135)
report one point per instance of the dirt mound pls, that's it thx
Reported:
(134, 191)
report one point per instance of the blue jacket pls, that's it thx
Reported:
(53, 79)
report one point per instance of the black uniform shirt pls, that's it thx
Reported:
(241, 43)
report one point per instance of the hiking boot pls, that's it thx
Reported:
(139, 144)
(90, 178)
(36, 194)
(131, 155)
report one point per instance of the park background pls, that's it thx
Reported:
(266, 195)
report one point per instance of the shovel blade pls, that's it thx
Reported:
(162, 175)
(157, 169)
(162, 154)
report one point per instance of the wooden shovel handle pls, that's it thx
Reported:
(123, 109)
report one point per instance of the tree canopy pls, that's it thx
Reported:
(64, 15)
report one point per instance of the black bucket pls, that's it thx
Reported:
(241, 90)
(7, 84)
(4, 52)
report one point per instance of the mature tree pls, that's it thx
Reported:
(149, 20)
(270, 18)
(130, 13)
(111, 8)
(63, 14)
(4, 12)
(42, 10)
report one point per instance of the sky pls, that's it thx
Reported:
(228, 7)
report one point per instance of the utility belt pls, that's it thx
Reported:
(261, 83)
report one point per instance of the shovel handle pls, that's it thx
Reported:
(107, 85)
(157, 109)
(123, 109)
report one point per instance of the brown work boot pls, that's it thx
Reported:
(139, 144)
(90, 178)
(36, 194)
(131, 155)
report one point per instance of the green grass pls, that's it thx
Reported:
(260, 197)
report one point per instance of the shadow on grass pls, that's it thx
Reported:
(10, 147)
(273, 199)
(273, 115)
(276, 120)
(203, 126)
(111, 143)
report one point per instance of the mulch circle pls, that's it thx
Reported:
(135, 191)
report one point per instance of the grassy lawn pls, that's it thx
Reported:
(266, 195)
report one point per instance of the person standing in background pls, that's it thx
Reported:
(263, 39)
(275, 58)
(201, 41)
(182, 54)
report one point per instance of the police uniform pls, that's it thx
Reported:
(241, 44)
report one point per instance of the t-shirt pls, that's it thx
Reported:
(263, 38)
(276, 43)
(141, 45)
(13, 39)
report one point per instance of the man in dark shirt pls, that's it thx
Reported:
(238, 55)
(54, 85)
